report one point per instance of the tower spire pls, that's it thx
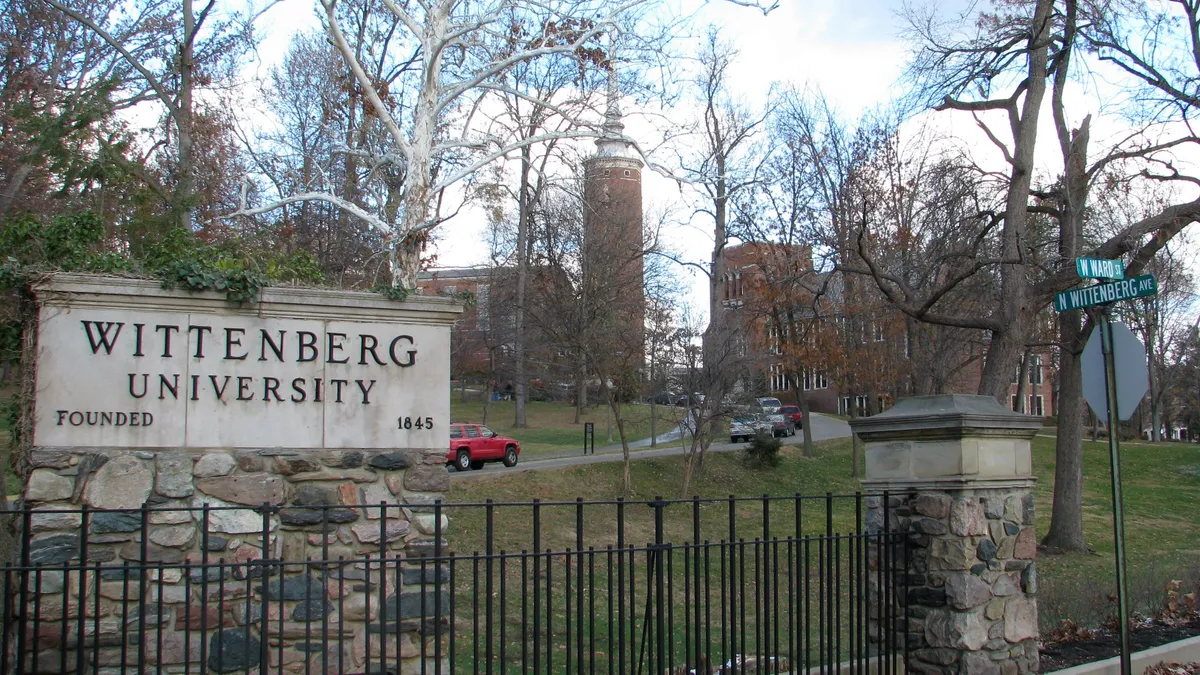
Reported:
(612, 142)
(613, 126)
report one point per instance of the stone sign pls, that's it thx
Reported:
(125, 363)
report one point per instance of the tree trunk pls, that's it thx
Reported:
(1155, 397)
(9, 195)
(653, 410)
(185, 197)
(693, 460)
(580, 395)
(856, 443)
(523, 214)
(1066, 516)
(805, 418)
(614, 411)
(1014, 313)
(1023, 383)
(487, 400)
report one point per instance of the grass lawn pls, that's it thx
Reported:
(551, 427)
(1161, 484)
(1162, 507)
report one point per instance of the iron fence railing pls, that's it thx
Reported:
(755, 585)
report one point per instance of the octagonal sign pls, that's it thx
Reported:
(1133, 376)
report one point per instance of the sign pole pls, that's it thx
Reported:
(1114, 453)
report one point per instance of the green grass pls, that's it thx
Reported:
(1162, 507)
(513, 526)
(1161, 485)
(551, 428)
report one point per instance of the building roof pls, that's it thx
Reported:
(455, 273)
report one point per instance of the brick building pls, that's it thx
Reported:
(760, 278)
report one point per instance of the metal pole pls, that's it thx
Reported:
(1114, 453)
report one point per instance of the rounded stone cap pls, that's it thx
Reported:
(946, 416)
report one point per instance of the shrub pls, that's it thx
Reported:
(763, 451)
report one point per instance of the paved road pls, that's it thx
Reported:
(823, 428)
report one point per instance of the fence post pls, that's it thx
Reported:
(952, 475)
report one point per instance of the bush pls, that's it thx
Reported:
(763, 451)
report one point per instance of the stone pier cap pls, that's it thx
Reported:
(947, 441)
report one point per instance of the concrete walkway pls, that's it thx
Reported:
(823, 428)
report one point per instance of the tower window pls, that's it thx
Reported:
(607, 172)
(627, 173)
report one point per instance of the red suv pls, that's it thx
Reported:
(472, 445)
(792, 411)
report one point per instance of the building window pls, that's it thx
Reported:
(860, 402)
(813, 380)
(1035, 370)
(627, 173)
(449, 290)
(1013, 403)
(1035, 406)
(779, 380)
(880, 333)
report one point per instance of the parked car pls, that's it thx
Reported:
(781, 425)
(769, 405)
(741, 428)
(662, 398)
(793, 411)
(473, 445)
(744, 427)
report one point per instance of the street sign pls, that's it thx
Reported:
(1132, 374)
(1100, 294)
(1093, 268)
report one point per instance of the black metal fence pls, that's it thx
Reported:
(755, 585)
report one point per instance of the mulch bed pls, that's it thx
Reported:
(1060, 655)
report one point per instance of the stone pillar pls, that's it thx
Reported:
(959, 483)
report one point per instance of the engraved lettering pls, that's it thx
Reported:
(334, 346)
(299, 390)
(199, 331)
(132, 380)
(167, 331)
(265, 341)
(230, 343)
(368, 343)
(244, 388)
(307, 345)
(271, 386)
(102, 338)
(171, 386)
(412, 353)
(337, 396)
(366, 391)
(221, 389)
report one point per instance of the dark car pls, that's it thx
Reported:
(793, 412)
(473, 445)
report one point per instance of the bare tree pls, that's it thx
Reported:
(723, 169)
(171, 53)
(1000, 74)
(454, 57)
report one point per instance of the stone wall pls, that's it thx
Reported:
(209, 589)
(971, 579)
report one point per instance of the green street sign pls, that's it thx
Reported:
(1100, 294)
(1093, 268)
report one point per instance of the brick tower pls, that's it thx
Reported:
(613, 223)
